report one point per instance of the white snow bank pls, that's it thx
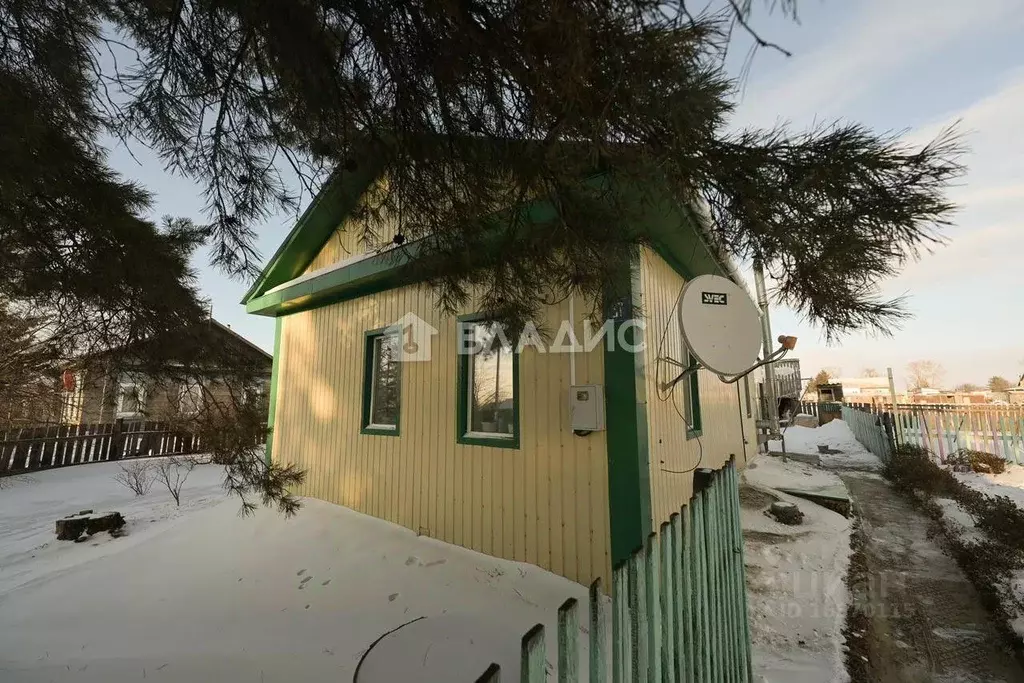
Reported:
(1010, 483)
(796, 579)
(837, 436)
(201, 594)
(771, 472)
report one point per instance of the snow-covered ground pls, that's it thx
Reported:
(796, 576)
(1010, 483)
(837, 436)
(198, 593)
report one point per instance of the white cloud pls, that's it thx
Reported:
(885, 38)
(965, 295)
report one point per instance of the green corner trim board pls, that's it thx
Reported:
(275, 375)
(629, 488)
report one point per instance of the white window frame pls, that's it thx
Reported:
(140, 397)
(187, 388)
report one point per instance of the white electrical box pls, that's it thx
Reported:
(586, 407)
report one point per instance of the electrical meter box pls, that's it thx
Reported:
(586, 407)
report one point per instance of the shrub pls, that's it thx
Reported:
(978, 461)
(173, 472)
(136, 475)
(911, 468)
(1001, 519)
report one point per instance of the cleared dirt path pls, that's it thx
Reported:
(924, 619)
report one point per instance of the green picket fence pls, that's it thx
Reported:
(679, 605)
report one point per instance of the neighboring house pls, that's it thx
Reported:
(482, 450)
(117, 385)
(858, 389)
(1015, 395)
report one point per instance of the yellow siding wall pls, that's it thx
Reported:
(545, 503)
(344, 243)
(724, 417)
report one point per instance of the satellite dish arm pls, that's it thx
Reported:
(778, 354)
(787, 343)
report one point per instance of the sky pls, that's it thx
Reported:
(910, 67)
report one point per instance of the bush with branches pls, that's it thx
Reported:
(136, 475)
(173, 472)
(968, 460)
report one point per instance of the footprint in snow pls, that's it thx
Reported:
(412, 560)
(308, 578)
(325, 582)
(300, 572)
(391, 598)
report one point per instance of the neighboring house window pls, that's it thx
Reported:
(131, 397)
(190, 398)
(382, 385)
(255, 394)
(691, 400)
(488, 386)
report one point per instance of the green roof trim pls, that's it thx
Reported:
(673, 229)
(335, 202)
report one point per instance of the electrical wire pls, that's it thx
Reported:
(660, 361)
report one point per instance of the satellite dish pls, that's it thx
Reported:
(720, 324)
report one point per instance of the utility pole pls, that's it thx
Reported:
(770, 391)
(895, 407)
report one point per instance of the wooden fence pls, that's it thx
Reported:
(944, 428)
(28, 449)
(825, 411)
(679, 605)
(872, 429)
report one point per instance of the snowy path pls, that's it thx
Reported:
(925, 620)
(199, 594)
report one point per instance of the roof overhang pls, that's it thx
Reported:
(676, 231)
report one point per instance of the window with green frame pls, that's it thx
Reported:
(488, 386)
(382, 384)
(691, 400)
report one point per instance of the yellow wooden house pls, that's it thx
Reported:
(479, 449)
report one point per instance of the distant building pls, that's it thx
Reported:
(1015, 395)
(111, 386)
(860, 388)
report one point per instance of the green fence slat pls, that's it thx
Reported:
(638, 616)
(620, 632)
(568, 642)
(687, 661)
(725, 580)
(532, 658)
(652, 609)
(737, 530)
(492, 675)
(702, 624)
(679, 649)
(598, 635)
(710, 587)
(667, 591)
(731, 555)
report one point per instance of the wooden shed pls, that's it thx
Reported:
(507, 475)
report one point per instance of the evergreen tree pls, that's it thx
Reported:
(463, 106)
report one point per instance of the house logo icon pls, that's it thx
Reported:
(416, 336)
